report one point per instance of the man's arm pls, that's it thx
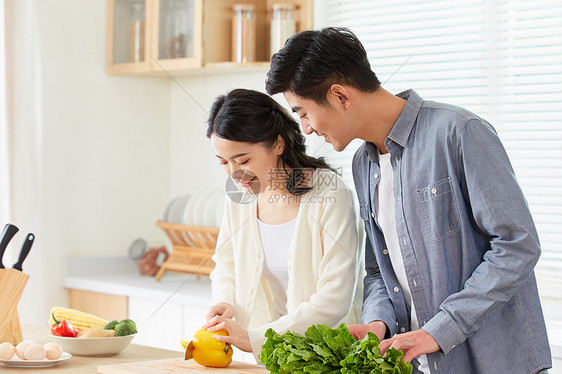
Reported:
(378, 314)
(500, 212)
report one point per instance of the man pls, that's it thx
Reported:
(451, 243)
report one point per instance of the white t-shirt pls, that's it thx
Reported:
(385, 211)
(276, 240)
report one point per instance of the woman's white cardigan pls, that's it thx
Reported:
(325, 263)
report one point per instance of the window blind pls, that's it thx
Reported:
(500, 59)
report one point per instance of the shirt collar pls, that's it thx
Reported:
(403, 127)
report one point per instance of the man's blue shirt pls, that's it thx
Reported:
(467, 238)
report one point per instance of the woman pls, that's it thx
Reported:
(290, 257)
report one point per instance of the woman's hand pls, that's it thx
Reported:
(221, 309)
(237, 335)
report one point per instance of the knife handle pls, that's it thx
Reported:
(7, 235)
(24, 251)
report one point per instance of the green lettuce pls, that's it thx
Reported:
(324, 350)
(365, 357)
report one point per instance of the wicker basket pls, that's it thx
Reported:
(193, 247)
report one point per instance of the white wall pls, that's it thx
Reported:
(115, 149)
(194, 166)
(105, 152)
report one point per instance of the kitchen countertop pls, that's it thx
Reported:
(82, 365)
(120, 276)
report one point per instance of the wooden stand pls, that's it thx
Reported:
(12, 284)
(193, 248)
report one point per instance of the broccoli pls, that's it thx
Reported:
(111, 325)
(125, 327)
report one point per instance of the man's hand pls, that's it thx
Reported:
(237, 335)
(360, 331)
(413, 344)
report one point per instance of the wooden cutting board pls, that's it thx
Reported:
(179, 366)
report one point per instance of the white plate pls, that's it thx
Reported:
(176, 209)
(198, 209)
(210, 216)
(187, 217)
(167, 210)
(16, 362)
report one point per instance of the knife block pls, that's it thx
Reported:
(12, 284)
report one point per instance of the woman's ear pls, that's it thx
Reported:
(279, 146)
(339, 96)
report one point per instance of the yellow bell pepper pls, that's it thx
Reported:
(208, 351)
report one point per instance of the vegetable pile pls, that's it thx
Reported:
(323, 350)
(72, 323)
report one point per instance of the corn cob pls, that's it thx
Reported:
(80, 320)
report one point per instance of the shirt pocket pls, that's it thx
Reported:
(439, 209)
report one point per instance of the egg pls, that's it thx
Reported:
(53, 350)
(7, 351)
(20, 348)
(34, 351)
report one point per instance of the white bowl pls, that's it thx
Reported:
(93, 346)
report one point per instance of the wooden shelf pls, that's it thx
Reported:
(213, 69)
(212, 28)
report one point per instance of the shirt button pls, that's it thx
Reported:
(434, 191)
(385, 251)
(372, 214)
(402, 329)
(396, 289)
(376, 175)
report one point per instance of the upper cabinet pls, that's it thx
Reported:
(183, 36)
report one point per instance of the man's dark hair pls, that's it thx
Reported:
(312, 61)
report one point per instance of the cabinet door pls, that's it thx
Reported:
(158, 325)
(106, 306)
(128, 26)
(176, 35)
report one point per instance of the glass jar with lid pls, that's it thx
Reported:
(283, 25)
(244, 33)
(136, 31)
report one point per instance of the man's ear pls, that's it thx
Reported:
(340, 96)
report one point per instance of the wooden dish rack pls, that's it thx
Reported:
(193, 247)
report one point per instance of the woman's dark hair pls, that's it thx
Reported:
(312, 61)
(253, 117)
